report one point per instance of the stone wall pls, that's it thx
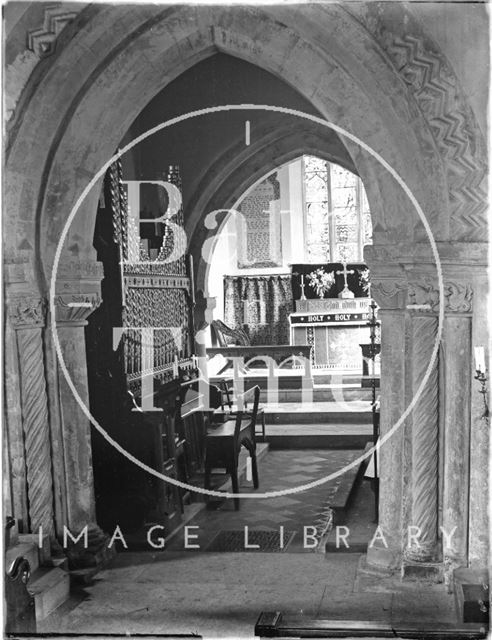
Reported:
(370, 68)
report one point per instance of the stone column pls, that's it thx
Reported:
(424, 439)
(27, 316)
(478, 551)
(385, 551)
(441, 485)
(457, 352)
(422, 551)
(16, 483)
(76, 297)
(76, 427)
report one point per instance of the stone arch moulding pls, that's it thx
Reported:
(119, 58)
(119, 77)
(436, 90)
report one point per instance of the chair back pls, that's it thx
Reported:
(224, 336)
(192, 419)
(250, 396)
(226, 389)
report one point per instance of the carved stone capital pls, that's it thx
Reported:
(389, 293)
(424, 297)
(78, 290)
(27, 311)
(76, 308)
(459, 297)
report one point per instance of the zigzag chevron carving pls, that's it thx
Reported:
(43, 40)
(452, 123)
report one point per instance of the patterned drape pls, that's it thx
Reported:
(260, 305)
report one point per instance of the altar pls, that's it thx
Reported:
(335, 327)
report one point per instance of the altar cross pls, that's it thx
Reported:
(346, 293)
(345, 272)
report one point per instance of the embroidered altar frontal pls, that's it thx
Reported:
(335, 329)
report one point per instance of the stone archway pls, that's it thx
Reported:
(99, 72)
(124, 87)
(226, 181)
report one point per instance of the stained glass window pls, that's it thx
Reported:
(338, 219)
(317, 209)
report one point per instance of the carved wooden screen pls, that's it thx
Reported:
(155, 293)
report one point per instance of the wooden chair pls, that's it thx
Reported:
(225, 386)
(192, 419)
(224, 440)
(229, 412)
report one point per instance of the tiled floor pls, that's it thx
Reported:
(220, 595)
(279, 470)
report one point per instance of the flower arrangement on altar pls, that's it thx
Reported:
(321, 281)
(365, 282)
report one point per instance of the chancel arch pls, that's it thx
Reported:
(81, 101)
(282, 230)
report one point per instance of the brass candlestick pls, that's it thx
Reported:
(481, 376)
(372, 324)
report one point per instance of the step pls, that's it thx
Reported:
(288, 386)
(341, 502)
(332, 377)
(27, 550)
(329, 393)
(50, 588)
(274, 624)
(42, 543)
(291, 380)
(316, 436)
(285, 379)
(355, 411)
(61, 563)
(348, 482)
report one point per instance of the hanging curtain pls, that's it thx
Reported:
(260, 305)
